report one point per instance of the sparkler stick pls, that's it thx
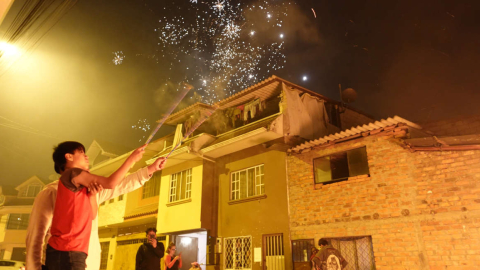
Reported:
(194, 127)
(186, 87)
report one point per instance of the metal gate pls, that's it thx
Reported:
(273, 252)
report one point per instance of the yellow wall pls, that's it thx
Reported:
(3, 226)
(259, 217)
(184, 216)
(111, 213)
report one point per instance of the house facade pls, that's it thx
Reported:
(388, 195)
(15, 207)
(223, 195)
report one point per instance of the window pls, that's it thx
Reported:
(238, 253)
(357, 251)
(103, 203)
(181, 186)
(2, 253)
(18, 221)
(340, 166)
(105, 246)
(152, 186)
(120, 198)
(111, 201)
(32, 191)
(247, 183)
(302, 250)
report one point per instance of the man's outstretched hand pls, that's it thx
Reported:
(156, 166)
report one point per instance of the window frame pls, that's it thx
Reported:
(174, 178)
(345, 151)
(32, 186)
(356, 256)
(255, 184)
(153, 182)
(19, 226)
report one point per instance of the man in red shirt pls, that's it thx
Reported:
(74, 208)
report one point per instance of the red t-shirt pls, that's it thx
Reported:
(72, 217)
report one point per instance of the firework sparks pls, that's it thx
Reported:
(118, 58)
(216, 40)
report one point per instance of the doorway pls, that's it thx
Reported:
(188, 246)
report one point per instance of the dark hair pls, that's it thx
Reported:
(61, 150)
(323, 242)
(151, 230)
(170, 247)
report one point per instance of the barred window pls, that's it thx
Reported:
(105, 246)
(152, 186)
(357, 251)
(247, 183)
(302, 250)
(111, 201)
(340, 166)
(33, 190)
(238, 253)
(181, 186)
(18, 221)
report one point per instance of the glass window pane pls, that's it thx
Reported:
(243, 185)
(358, 161)
(339, 166)
(250, 182)
(321, 167)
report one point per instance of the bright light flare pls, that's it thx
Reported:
(7, 49)
(305, 78)
(281, 35)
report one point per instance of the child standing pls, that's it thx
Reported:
(75, 207)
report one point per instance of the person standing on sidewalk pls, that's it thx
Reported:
(150, 253)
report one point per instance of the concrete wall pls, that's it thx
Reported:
(422, 209)
(259, 217)
(184, 216)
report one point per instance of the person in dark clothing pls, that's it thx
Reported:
(150, 253)
(328, 258)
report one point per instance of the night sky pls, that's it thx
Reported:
(415, 59)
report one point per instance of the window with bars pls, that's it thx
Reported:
(302, 250)
(238, 253)
(357, 251)
(247, 183)
(111, 201)
(152, 186)
(340, 166)
(180, 186)
(18, 221)
(120, 198)
(105, 246)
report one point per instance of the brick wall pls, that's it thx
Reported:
(422, 209)
(455, 126)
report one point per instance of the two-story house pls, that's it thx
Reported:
(389, 195)
(223, 195)
(15, 207)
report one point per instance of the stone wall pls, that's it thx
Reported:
(421, 209)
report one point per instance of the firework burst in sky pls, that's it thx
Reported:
(118, 58)
(222, 47)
